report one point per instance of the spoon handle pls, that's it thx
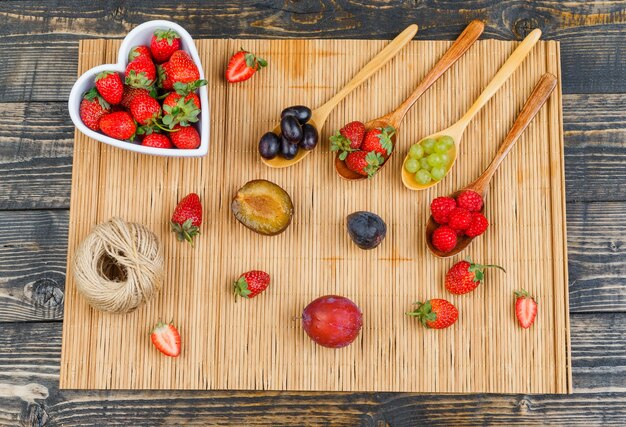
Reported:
(511, 64)
(533, 104)
(370, 68)
(467, 38)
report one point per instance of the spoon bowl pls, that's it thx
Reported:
(537, 98)
(467, 38)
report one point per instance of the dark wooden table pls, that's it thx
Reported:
(38, 61)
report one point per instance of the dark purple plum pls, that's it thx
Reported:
(288, 150)
(309, 137)
(291, 129)
(300, 112)
(366, 229)
(269, 145)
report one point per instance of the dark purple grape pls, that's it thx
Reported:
(269, 145)
(291, 129)
(309, 137)
(288, 149)
(300, 112)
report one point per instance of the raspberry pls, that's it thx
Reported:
(459, 219)
(444, 238)
(470, 200)
(441, 207)
(478, 225)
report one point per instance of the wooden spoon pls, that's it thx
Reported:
(320, 114)
(394, 118)
(456, 130)
(540, 94)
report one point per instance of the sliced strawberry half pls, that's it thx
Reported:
(166, 339)
(525, 308)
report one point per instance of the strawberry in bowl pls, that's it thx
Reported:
(153, 100)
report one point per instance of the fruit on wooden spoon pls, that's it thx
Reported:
(366, 229)
(332, 321)
(263, 207)
(166, 339)
(525, 308)
(435, 313)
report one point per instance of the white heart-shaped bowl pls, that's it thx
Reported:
(141, 35)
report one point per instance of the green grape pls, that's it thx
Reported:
(438, 173)
(424, 164)
(435, 160)
(445, 159)
(429, 145)
(423, 177)
(412, 165)
(447, 140)
(416, 151)
(441, 146)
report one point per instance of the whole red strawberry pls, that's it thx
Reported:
(118, 125)
(251, 283)
(179, 109)
(185, 137)
(470, 200)
(478, 225)
(163, 44)
(145, 109)
(465, 276)
(364, 163)
(140, 73)
(242, 65)
(348, 138)
(92, 108)
(459, 219)
(129, 94)
(157, 140)
(187, 218)
(179, 69)
(138, 51)
(379, 140)
(440, 209)
(444, 238)
(435, 313)
(110, 86)
(525, 308)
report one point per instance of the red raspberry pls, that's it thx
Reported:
(478, 225)
(444, 238)
(470, 200)
(440, 209)
(460, 219)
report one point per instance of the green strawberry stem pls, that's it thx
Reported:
(423, 312)
(479, 269)
(240, 288)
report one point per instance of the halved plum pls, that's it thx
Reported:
(263, 207)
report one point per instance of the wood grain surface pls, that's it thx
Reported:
(39, 52)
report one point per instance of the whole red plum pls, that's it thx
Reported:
(332, 321)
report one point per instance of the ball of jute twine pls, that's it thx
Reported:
(119, 266)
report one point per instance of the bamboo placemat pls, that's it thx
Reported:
(257, 344)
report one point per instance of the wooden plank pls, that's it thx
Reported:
(599, 364)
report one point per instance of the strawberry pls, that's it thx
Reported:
(140, 73)
(180, 109)
(166, 339)
(163, 44)
(180, 69)
(137, 51)
(164, 81)
(478, 225)
(129, 94)
(444, 238)
(440, 209)
(242, 65)
(347, 139)
(435, 313)
(465, 276)
(118, 125)
(185, 137)
(187, 218)
(470, 200)
(110, 86)
(250, 284)
(525, 308)
(145, 109)
(364, 163)
(379, 140)
(459, 219)
(92, 108)
(157, 140)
